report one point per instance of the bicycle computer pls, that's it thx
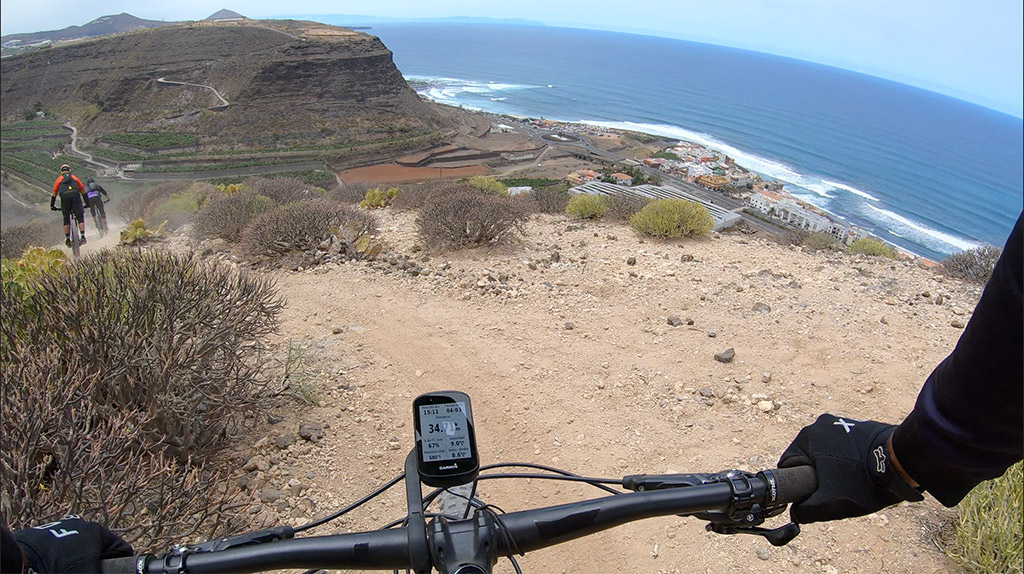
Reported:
(445, 440)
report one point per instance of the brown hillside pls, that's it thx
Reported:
(288, 81)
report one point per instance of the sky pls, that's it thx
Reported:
(968, 49)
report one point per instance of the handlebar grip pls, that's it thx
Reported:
(794, 484)
(126, 565)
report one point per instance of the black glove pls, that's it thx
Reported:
(53, 206)
(855, 471)
(70, 545)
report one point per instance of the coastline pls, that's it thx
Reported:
(910, 232)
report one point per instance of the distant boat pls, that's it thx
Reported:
(550, 86)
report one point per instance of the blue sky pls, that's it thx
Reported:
(967, 49)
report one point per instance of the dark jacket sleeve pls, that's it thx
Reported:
(966, 426)
(12, 561)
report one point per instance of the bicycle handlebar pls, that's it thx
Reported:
(500, 535)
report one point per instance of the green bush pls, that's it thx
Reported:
(469, 218)
(20, 276)
(225, 215)
(587, 206)
(672, 218)
(488, 185)
(137, 234)
(300, 226)
(820, 241)
(988, 537)
(873, 247)
(164, 366)
(377, 198)
(973, 264)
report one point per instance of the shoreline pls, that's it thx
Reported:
(899, 230)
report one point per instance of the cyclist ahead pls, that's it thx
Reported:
(72, 196)
(95, 202)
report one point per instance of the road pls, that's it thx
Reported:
(224, 101)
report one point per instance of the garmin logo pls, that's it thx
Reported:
(454, 466)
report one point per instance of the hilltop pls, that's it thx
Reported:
(102, 26)
(229, 82)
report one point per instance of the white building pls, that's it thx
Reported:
(698, 169)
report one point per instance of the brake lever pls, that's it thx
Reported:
(775, 536)
(249, 538)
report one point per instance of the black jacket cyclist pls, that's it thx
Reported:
(72, 197)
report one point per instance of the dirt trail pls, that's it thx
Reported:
(575, 365)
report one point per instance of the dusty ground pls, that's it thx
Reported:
(570, 361)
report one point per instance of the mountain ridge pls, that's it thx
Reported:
(103, 26)
(283, 81)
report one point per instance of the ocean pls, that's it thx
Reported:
(929, 173)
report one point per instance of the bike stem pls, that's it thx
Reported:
(419, 550)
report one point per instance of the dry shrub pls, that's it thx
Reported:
(820, 241)
(469, 218)
(62, 452)
(351, 193)
(164, 333)
(15, 239)
(301, 226)
(622, 206)
(417, 196)
(140, 205)
(225, 215)
(550, 199)
(172, 201)
(282, 190)
(973, 264)
(113, 398)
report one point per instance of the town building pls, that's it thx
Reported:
(622, 179)
(713, 181)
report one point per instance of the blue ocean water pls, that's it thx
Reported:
(929, 173)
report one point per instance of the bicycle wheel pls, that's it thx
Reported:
(76, 238)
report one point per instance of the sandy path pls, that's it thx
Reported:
(620, 393)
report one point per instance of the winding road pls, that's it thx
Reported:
(224, 101)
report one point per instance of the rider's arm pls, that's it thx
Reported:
(53, 196)
(12, 561)
(966, 425)
(100, 189)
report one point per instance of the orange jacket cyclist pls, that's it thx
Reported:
(72, 196)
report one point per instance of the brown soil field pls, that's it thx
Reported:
(397, 173)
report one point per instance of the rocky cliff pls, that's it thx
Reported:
(282, 81)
